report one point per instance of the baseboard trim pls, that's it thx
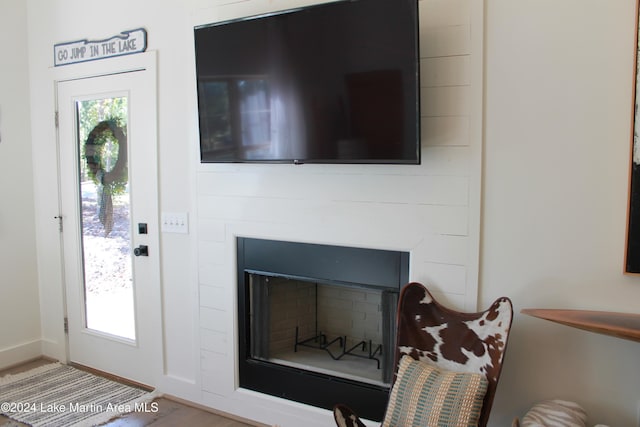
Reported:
(20, 353)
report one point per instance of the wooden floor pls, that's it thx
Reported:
(170, 412)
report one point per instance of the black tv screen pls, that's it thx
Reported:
(331, 83)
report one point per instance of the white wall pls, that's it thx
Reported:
(557, 84)
(19, 302)
(558, 105)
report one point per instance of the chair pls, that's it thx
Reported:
(449, 341)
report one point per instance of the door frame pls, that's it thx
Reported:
(146, 61)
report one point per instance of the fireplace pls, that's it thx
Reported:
(317, 322)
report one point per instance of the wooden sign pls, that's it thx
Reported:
(125, 43)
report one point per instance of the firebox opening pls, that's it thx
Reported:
(330, 329)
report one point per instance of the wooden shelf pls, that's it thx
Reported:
(621, 325)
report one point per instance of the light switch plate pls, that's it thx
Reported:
(175, 222)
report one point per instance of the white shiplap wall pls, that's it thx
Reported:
(431, 210)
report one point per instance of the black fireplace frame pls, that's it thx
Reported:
(336, 265)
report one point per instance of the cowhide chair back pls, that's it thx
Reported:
(448, 339)
(452, 340)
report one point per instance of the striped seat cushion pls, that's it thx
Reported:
(424, 395)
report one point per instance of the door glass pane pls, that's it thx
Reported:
(105, 216)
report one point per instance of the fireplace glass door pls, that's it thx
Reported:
(343, 331)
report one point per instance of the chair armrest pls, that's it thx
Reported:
(345, 417)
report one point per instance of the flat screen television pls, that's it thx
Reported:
(330, 83)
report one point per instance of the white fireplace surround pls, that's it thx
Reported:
(431, 210)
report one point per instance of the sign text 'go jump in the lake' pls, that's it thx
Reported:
(125, 43)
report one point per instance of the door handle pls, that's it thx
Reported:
(142, 250)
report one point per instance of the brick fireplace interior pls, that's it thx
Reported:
(317, 322)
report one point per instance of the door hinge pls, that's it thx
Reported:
(57, 119)
(66, 325)
(59, 218)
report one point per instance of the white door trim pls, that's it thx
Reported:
(120, 64)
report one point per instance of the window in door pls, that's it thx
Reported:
(105, 215)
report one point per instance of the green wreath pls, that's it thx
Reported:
(94, 148)
(114, 180)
